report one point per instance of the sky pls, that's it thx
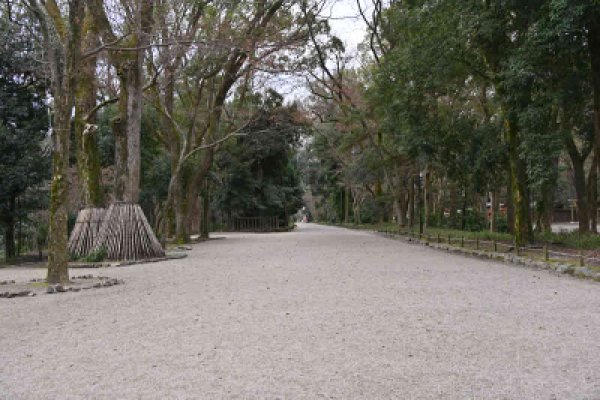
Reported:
(347, 24)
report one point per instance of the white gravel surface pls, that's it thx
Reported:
(320, 312)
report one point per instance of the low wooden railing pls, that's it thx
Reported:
(255, 224)
(539, 252)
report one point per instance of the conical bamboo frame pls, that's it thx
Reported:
(85, 231)
(125, 234)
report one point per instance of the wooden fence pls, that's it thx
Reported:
(255, 224)
(536, 252)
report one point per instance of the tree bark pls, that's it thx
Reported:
(58, 271)
(346, 204)
(403, 205)
(594, 49)
(427, 194)
(88, 160)
(518, 182)
(181, 205)
(493, 210)
(411, 202)
(129, 69)
(64, 59)
(578, 162)
(547, 210)
(205, 212)
(593, 194)
(120, 156)
(510, 209)
(9, 231)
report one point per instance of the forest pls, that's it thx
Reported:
(126, 125)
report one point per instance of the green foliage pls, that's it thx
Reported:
(106, 140)
(98, 255)
(258, 173)
(156, 170)
(24, 158)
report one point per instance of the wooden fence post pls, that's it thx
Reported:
(546, 254)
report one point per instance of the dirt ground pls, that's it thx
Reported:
(320, 312)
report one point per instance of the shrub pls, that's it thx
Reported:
(96, 256)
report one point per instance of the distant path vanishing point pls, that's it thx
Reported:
(320, 312)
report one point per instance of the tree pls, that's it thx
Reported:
(258, 173)
(191, 97)
(61, 37)
(24, 159)
(125, 232)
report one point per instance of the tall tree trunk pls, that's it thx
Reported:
(510, 209)
(346, 204)
(518, 181)
(63, 73)
(427, 195)
(88, 160)
(411, 202)
(582, 202)
(205, 211)
(9, 230)
(120, 157)
(181, 215)
(19, 235)
(9, 241)
(59, 192)
(493, 210)
(578, 162)
(594, 49)
(403, 204)
(593, 195)
(127, 144)
(463, 214)
(453, 203)
(547, 209)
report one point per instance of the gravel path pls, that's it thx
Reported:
(317, 313)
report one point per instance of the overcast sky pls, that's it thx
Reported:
(346, 24)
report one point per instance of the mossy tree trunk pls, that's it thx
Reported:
(86, 228)
(518, 184)
(62, 39)
(88, 160)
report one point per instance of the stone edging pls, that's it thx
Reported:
(174, 256)
(82, 284)
(580, 272)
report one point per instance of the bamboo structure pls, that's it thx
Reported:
(125, 234)
(85, 231)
